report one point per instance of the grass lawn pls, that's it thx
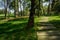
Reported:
(13, 29)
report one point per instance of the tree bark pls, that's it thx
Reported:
(5, 5)
(39, 9)
(31, 17)
(49, 8)
(16, 8)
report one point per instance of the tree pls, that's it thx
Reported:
(56, 5)
(31, 16)
(20, 8)
(39, 8)
(5, 5)
(16, 8)
(23, 7)
(49, 7)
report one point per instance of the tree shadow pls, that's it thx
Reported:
(44, 26)
(14, 30)
(49, 35)
(56, 23)
(2, 17)
(48, 30)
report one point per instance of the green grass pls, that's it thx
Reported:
(55, 20)
(14, 29)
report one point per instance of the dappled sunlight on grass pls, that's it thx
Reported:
(14, 30)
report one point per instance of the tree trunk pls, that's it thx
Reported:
(16, 8)
(31, 17)
(5, 5)
(20, 8)
(49, 8)
(8, 8)
(39, 9)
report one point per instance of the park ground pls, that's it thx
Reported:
(45, 28)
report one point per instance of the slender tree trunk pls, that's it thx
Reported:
(8, 8)
(49, 7)
(16, 8)
(20, 8)
(39, 9)
(5, 5)
(21, 11)
(53, 3)
(5, 12)
(24, 8)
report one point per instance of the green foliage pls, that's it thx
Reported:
(57, 7)
(1, 11)
(11, 5)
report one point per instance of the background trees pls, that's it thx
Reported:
(16, 8)
(23, 8)
(23, 16)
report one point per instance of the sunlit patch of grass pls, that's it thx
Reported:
(36, 19)
(2, 14)
(54, 18)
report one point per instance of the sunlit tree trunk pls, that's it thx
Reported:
(20, 7)
(16, 8)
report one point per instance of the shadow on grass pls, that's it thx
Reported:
(2, 17)
(14, 30)
(50, 33)
(56, 23)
